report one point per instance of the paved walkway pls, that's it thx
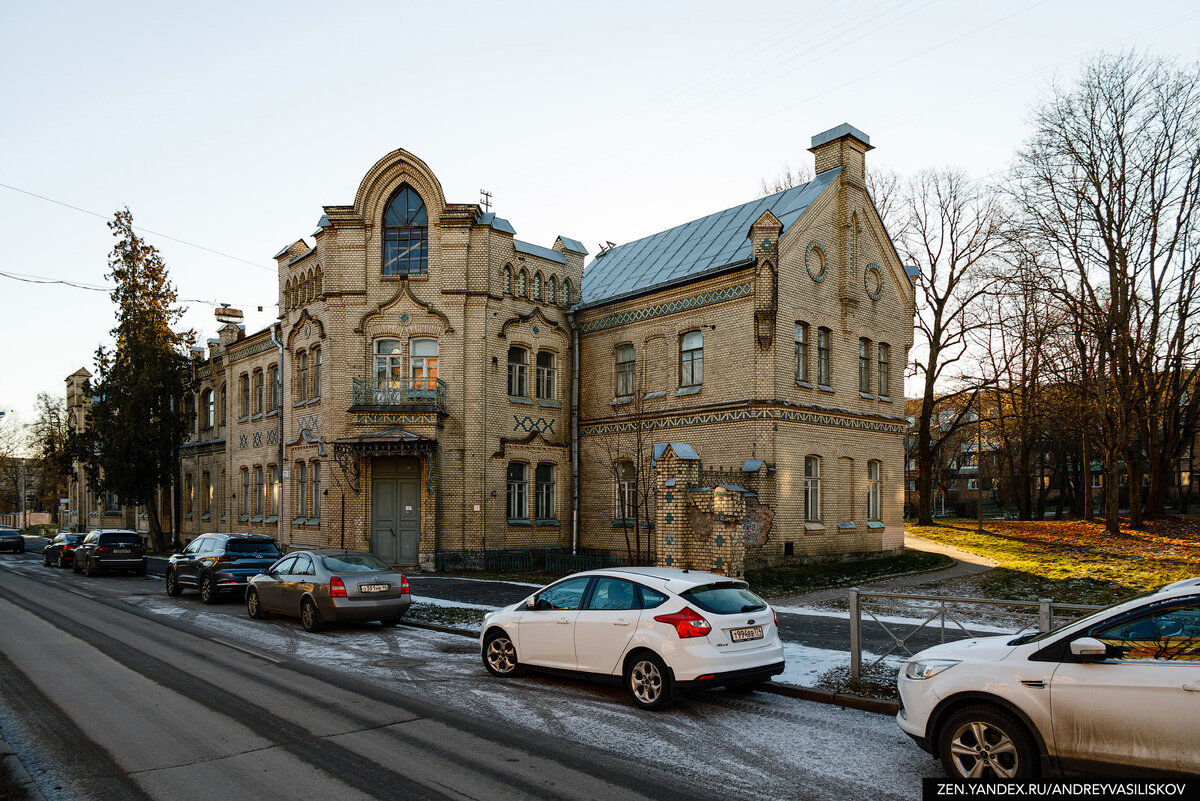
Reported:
(965, 564)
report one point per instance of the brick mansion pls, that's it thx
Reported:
(722, 393)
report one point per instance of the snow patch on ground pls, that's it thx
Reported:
(805, 665)
(421, 599)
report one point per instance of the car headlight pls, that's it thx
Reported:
(927, 668)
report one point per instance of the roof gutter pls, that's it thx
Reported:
(574, 432)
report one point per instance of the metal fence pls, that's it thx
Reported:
(946, 610)
(484, 560)
(573, 563)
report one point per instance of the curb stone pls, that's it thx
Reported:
(879, 706)
(19, 775)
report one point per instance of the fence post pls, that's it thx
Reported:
(1045, 614)
(855, 644)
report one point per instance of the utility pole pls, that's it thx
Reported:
(979, 465)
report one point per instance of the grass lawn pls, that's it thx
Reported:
(1072, 561)
(779, 581)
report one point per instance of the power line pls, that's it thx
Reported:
(138, 227)
(41, 279)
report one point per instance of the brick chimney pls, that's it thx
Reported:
(843, 146)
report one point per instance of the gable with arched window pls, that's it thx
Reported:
(405, 234)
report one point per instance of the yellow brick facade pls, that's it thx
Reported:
(409, 466)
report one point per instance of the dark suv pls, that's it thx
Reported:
(110, 549)
(61, 550)
(219, 563)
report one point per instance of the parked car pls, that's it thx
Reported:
(60, 551)
(329, 585)
(11, 540)
(655, 630)
(1117, 692)
(110, 549)
(219, 564)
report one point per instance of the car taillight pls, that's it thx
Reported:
(775, 615)
(103, 550)
(404, 585)
(68, 547)
(337, 589)
(687, 622)
(227, 558)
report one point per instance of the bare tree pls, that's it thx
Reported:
(48, 437)
(626, 456)
(1109, 184)
(952, 228)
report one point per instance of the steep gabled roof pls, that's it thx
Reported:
(689, 251)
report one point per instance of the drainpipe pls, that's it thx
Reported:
(277, 341)
(574, 433)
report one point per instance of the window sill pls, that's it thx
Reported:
(272, 413)
(621, 400)
(623, 524)
(548, 523)
(513, 522)
(885, 398)
(206, 516)
(688, 391)
(187, 516)
(300, 403)
(299, 521)
(256, 519)
(243, 419)
(244, 518)
(875, 524)
(314, 521)
(662, 393)
(272, 519)
(520, 399)
(865, 395)
(846, 525)
(222, 518)
(404, 276)
(824, 388)
(312, 401)
(814, 528)
(258, 416)
(549, 404)
(804, 384)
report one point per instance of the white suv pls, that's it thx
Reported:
(1115, 692)
(653, 629)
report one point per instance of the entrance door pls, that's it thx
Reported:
(396, 510)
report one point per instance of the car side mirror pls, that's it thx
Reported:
(1089, 649)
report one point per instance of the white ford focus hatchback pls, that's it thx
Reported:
(655, 630)
(1117, 692)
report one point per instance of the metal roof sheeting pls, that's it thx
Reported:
(573, 245)
(845, 129)
(539, 251)
(496, 223)
(687, 251)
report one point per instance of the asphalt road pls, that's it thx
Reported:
(112, 691)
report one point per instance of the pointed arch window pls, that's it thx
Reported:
(566, 292)
(552, 291)
(537, 286)
(405, 234)
(523, 284)
(506, 279)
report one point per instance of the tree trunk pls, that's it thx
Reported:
(1112, 517)
(158, 541)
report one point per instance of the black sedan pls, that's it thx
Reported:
(61, 550)
(11, 540)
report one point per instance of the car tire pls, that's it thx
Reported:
(173, 588)
(310, 616)
(254, 606)
(648, 681)
(62, 562)
(500, 655)
(88, 570)
(208, 589)
(986, 742)
(45, 560)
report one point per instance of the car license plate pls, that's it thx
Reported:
(743, 635)
(120, 550)
(381, 588)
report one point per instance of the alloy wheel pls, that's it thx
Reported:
(646, 682)
(501, 656)
(981, 749)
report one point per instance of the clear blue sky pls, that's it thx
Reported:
(229, 125)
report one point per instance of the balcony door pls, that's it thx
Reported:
(396, 510)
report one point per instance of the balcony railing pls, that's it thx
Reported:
(429, 392)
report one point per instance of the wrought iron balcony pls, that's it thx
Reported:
(425, 393)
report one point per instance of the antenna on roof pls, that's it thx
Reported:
(604, 248)
(485, 200)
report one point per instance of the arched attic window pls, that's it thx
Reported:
(566, 293)
(537, 286)
(405, 234)
(552, 290)
(319, 279)
(523, 283)
(506, 279)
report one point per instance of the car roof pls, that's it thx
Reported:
(678, 579)
(334, 552)
(113, 531)
(239, 535)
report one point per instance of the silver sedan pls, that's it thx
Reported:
(329, 585)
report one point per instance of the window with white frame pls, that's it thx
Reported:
(626, 370)
(691, 359)
(518, 490)
(258, 391)
(423, 364)
(544, 489)
(626, 490)
(873, 507)
(316, 490)
(208, 409)
(547, 375)
(389, 369)
(802, 352)
(812, 489)
(518, 372)
(824, 366)
(885, 369)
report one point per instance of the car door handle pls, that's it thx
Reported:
(1192, 686)
(621, 622)
(563, 620)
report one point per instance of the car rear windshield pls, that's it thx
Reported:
(353, 563)
(120, 539)
(724, 598)
(263, 548)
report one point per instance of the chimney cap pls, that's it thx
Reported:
(845, 129)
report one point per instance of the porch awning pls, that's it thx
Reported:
(385, 442)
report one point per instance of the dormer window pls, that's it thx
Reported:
(405, 235)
